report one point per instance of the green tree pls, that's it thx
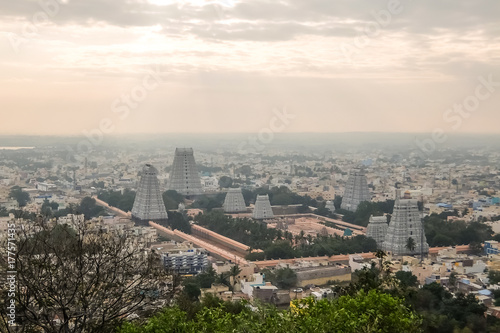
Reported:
(234, 272)
(172, 199)
(223, 278)
(89, 208)
(494, 276)
(283, 278)
(453, 280)
(410, 244)
(225, 182)
(406, 279)
(178, 221)
(19, 195)
(371, 311)
(89, 280)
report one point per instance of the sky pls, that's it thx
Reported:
(73, 67)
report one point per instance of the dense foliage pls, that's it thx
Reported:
(172, 199)
(371, 311)
(440, 232)
(283, 278)
(87, 206)
(123, 201)
(178, 221)
(365, 209)
(247, 231)
(441, 311)
(278, 244)
(209, 202)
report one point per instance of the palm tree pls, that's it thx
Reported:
(234, 272)
(410, 244)
(222, 278)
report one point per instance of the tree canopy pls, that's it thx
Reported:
(371, 311)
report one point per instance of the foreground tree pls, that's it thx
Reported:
(77, 279)
(364, 312)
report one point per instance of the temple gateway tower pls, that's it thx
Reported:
(356, 191)
(184, 177)
(377, 229)
(262, 208)
(234, 202)
(405, 235)
(148, 203)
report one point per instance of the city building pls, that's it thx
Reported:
(190, 262)
(234, 202)
(356, 191)
(184, 176)
(406, 223)
(262, 209)
(329, 205)
(148, 203)
(491, 247)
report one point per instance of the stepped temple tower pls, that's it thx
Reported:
(262, 208)
(356, 191)
(148, 204)
(184, 177)
(329, 205)
(234, 202)
(406, 223)
(377, 229)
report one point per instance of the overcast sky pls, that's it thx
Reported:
(165, 66)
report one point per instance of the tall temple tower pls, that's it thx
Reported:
(377, 229)
(262, 208)
(184, 177)
(148, 204)
(406, 223)
(234, 202)
(356, 191)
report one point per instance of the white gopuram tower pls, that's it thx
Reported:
(377, 229)
(356, 191)
(184, 177)
(262, 208)
(234, 202)
(148, 203)
(406, 223)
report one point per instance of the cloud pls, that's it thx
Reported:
(246, 57)
(278, 20)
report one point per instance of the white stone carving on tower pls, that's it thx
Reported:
(356, 191)
(184, 176)
(234, 202)
(262, 208)
(377, 229)
(148, 203)
(406, 222)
